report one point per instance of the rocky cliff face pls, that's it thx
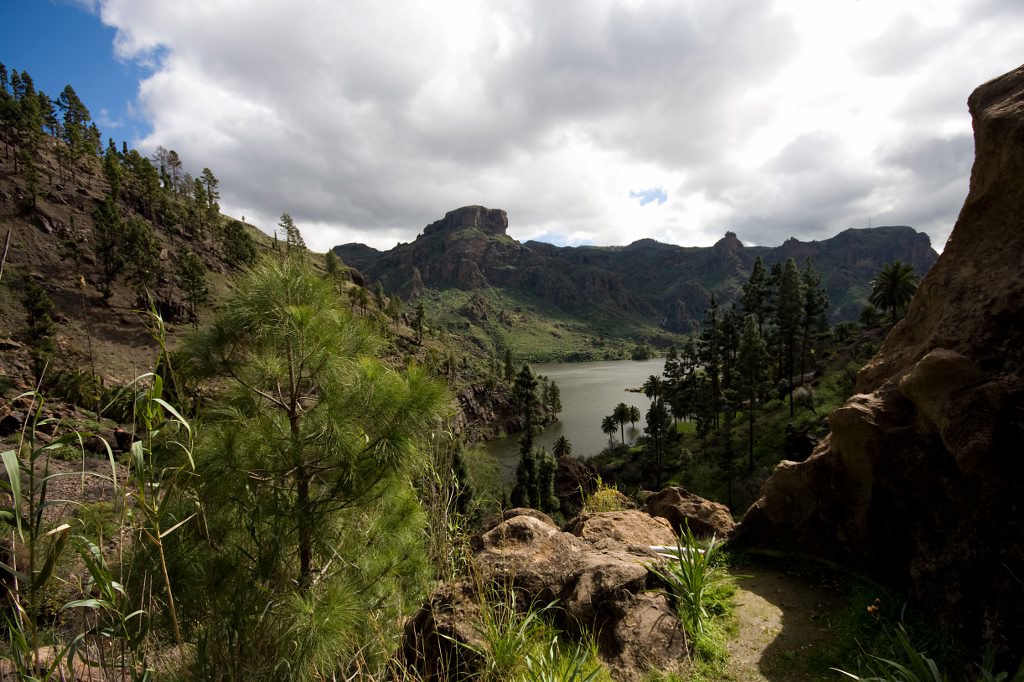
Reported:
(487, 220)
(469, 249)
(921, 482)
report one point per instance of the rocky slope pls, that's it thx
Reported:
(921, 482)
(666, 284)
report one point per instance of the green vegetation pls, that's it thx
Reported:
(604, 498)
(522, 644)
(700, 590)
(534, 330)
(39, 326)
(290, 487)
(692, 578)
(751, 389)
(893, 287)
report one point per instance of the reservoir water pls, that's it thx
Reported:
(589, 391)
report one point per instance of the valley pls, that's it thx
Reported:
(397, 465)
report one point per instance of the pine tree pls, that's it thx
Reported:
(419, 322)
(210, 184)
(237, 246)
(109, 234)
(527, 402)
(141, 250)
(755, 298)
(308, 462)
(190, 273)
(753, 375)
(710, 351)
(113, 170)
(332, 266)
(789, 319)
(39, 326)
(510, 370)
(75, 127)
(294, 244)
(395, 309)
(815, 305)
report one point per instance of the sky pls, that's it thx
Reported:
(588, 121)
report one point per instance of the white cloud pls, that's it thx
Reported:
(366, 121)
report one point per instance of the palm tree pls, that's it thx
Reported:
(634, 415)
(652, 387)
(609, 427)
(562, 447)
(621, 416)
(893, 287)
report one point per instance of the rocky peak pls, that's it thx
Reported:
(489, 220)
(730, 242)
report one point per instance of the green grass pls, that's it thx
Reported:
(536, 331)
(522, 644)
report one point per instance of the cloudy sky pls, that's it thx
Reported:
(589, 121)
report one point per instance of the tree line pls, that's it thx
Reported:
(766, 346)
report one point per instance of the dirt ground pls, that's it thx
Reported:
(784, 625)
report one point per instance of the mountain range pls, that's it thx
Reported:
(665, 285)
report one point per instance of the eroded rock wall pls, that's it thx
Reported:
(921, 481)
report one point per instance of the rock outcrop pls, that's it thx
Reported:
(921, 482)
(488, 220)
(681, 507)
(597, 576)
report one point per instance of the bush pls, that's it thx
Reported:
(77, 386)
(605, 498)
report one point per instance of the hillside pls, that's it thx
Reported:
(650, 285)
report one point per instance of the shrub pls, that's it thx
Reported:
(605, 498)
(691, 575)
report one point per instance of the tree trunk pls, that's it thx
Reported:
(750, 435)
(305, 529)
(789, 371)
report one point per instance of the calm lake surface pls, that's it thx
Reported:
(590, 391)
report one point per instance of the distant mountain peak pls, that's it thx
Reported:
(489, 220)
(729, 242)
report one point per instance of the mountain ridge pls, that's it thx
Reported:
(667, 284)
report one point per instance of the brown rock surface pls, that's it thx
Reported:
(680, 506)
(624, 529)
(921, 482)
(599, 584)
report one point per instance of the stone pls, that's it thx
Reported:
(920, 484)
(11, 423)
(681, 507)
(123, 439)
(622, 529)
(574, 478)
(600, 583)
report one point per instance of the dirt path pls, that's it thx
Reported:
(783, 626)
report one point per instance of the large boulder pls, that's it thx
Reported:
(626, 529)
(574, 479)
(601, 584)
(920, 483)
(681, 508)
